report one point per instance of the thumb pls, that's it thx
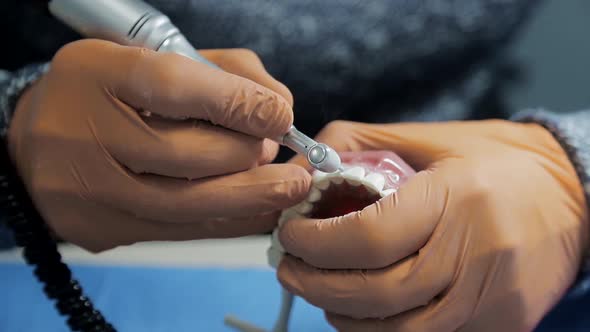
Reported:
(377, 236)
(176, 87)
(419, 144)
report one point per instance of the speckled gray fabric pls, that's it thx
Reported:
(340, 58)
(11, 87)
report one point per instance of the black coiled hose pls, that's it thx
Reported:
(40, 251)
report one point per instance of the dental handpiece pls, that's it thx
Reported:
(135, 23)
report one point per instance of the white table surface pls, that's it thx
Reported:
(240, 252)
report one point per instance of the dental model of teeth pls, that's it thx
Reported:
(366, 177)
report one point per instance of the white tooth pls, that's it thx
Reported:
(374, 181)
(288, 214)
(387, 192)
(314, 195)
(318, 176)
(274, 257)
(275, 242)
(322, 185)
(303, 207)
(337, 179)
(354, 175)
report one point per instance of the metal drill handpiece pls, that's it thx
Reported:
(135, 23)
(127, 22)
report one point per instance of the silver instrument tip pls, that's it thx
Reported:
(320, 156)
(324, 158)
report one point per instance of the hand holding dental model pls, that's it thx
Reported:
(487, 236)
(364, 178)
(102, 175)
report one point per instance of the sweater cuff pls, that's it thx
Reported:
(12, 85)
(572, 131)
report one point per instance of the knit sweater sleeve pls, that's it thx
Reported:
(12, 84)
(572, 131)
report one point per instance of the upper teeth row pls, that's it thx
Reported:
(355, 176)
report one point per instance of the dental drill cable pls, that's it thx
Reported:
(41, 253)
(150, 29)
(135, 23)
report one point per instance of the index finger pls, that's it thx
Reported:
(174, 86)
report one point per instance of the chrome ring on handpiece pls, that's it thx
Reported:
(316, 154)
(319, 155)
(327, 161)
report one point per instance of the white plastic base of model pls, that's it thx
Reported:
(281, 325)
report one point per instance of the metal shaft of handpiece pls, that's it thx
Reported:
(127, 22)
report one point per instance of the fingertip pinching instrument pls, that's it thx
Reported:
(135, 23)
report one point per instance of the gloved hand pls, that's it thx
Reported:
(102, 175)
(487, 237)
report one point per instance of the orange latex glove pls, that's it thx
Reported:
(487, 237)
(102, 175)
